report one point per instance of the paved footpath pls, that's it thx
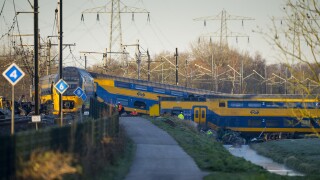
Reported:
(158, 155)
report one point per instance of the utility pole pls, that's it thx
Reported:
(60, 58)
(161, 72)
(186, 68)
(85, 62)
(88, 52)
(114, 9)
(176, 55)
(149, 61)
(212, 76)
(36, 60)
(241, 77)
(138, 57)
(49, 57)
(265, 76)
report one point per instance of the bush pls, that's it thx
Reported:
(48, 165)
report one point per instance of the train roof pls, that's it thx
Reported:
(240, 97)
(262, 96)
(153, 84)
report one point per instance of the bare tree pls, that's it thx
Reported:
(298, 40)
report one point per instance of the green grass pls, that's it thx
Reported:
(122, 166)
(211, 156)
(302, 155)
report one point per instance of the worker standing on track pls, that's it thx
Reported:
(120, 108)
(181, 116)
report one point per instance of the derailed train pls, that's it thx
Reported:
(281, 115)
(131, 93)
(74, 77)
(244, 113)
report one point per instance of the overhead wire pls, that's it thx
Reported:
(74, 58)
(2, 7)
(26, 64)
(157, 27)
(11, 28)
(30, 4)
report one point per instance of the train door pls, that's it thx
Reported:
(199, 115)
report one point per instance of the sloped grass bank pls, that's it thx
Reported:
(210, 155)
(302, 155)
(121, 167)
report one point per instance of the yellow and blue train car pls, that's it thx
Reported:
(74, 77)
(137, 94)
(249, 113)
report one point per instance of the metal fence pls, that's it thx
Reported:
(70, 138)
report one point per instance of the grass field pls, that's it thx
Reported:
(211, 156)
(121, 167)
(302, 155)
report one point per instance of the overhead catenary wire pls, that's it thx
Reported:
(2, 7)
(26, 64)
(11, 28)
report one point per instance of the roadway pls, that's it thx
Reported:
(158, 155)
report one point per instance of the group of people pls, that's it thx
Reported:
(120, 110)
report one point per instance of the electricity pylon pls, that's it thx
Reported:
(224, 17)
(115, 8)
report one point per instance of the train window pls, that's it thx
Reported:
(176, 93)
(141, 87)
(197, 114)
(175, 112)
(273, 123)
(140, 104)
(254, 122)
(235, 104)
(305, 123)
(234, 122)
(158, 90)
(288, 123)
(274, 104)
(124, 102)
(310, 105)
(122, 84)
(203, 114)
(222, 104)
(290, 105)
(254, 104)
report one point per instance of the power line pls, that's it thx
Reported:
(26, 64)
(2, 7)
(11, 28)
(115, 8)
(223, 17)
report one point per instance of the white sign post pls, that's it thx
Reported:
(13, 74)
(61, 86)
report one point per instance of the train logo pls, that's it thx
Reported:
(254, 112)
(140, 94)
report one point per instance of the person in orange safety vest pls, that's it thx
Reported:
(134, 113)
(120, 108)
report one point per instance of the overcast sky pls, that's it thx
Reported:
(171, 24)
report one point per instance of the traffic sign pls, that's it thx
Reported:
(61, 86)
(78, 92)
(13, 74)
(84, 96)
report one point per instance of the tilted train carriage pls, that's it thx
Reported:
(249, 114)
